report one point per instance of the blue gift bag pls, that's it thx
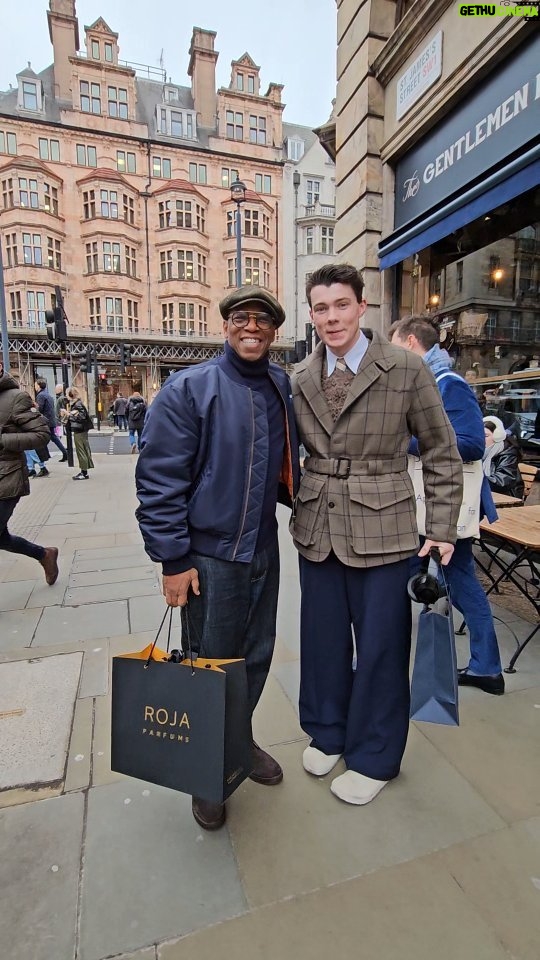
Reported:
(434, 685)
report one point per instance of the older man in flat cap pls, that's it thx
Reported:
(218, 451)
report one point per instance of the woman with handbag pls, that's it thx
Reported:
(81, 423)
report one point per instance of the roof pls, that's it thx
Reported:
(184, 185)
(105, 173)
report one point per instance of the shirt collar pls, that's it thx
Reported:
(352, 358)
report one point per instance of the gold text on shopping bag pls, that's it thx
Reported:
(164, 717)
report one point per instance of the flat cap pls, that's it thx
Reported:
(251, 294)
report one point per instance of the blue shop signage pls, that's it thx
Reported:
(502, 116)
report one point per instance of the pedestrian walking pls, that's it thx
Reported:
(218, 451)
(35, 465)
(119, 411)
(22, 428)
(81, 423)
(357, 399)
(484, 669)
(46, 407)
(135, 413)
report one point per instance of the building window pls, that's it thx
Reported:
(266, 227)
(131, 261)
(491, 324)
(164, 214)
(90, 94)
(28, 193)
(50, 199)
(128, 204)
(263, 183)
(235, 125)
(11, 250)
(133, 316)
(197, 173)
(186, 313)
(459, 276)
(86, 156)
(515, 326)
(54, 255)
(228, 176)
(231, 272)
(35, 303)
(126, 162)
(185, 264)
(117, 102)
(239, 81)
(94, 304)
(16, 309)
(49, 149)
(536, 327)
(165, 265)
(251, 223)
(295, 149)
(183, 214)
(309, 239)
(8, 143)
(108, 204)
(251, 83)
(173, 122)
(7, 192)
(29, 95)
(231, 223)
(203, 321)
(89, 204)
(161, 167)
(115, 316)
(266, 274)
(111, 257)
(201, 218)
(92, 258)
(313, 189)
(94, 46)
(201, 268)
(252, 273)
(494, 268)
(32, 255)
(257, 130)
(327, 240)
(167, 318)
(109, 56)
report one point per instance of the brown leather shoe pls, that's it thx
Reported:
(266, 770)
(50, 565)
(209, 815)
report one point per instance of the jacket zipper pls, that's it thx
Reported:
(248, 488)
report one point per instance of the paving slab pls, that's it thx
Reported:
(508, 777)
(146, 613)
(80, 748)
(274, 720)
(63, 517)
(100, 593)
(95, 671)
(107, 553)
(83, 542)
(136, 558)
(168, 879)
(37, 699)
(288, 675)
(72, 624)
(15, 596)
(415, 911)
(316, 840)
(118, 574)
(500, 876)
(17, 628)
(40, 850)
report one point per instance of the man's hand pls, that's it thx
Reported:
(176, 587)
(445, 549)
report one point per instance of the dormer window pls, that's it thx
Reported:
(170, 94)
(295, 148)
(239, 81)
(250, 83)
(109, 54)
(177, 123)
(94, 47)
(30, 94)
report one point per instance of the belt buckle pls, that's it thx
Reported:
(347, 468)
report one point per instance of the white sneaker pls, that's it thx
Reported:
(319, 763)
(354, 787)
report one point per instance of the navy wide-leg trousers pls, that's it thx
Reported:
(362, 713)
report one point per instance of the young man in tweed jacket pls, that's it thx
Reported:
(358, 400)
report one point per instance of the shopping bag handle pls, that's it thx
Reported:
(168, 613)
(436, 569)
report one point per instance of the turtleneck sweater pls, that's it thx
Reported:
(254, 374)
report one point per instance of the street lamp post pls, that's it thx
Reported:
(238, 195)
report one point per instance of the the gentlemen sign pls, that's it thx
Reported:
(425, 70)
(502, 116)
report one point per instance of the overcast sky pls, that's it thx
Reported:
(293, 41)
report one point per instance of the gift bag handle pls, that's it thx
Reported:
(168, 613)
(436, 569)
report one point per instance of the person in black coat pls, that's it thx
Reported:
(47, 409)
(135, 413)
(501, 458)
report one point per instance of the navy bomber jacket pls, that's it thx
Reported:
(202, 466)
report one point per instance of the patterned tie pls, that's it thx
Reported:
(341, 365)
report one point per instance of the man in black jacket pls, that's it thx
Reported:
(21, 428)
(46, 407)
(218, 450)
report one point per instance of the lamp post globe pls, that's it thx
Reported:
(238, 195)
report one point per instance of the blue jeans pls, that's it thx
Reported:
(12, 543)
(235, 614)
(468, 596)
(32, 460)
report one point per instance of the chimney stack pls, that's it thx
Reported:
(64, 34)
(202, 70)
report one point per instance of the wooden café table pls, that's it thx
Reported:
(518, 533)
(503, 500)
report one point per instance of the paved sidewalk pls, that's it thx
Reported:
(444, 864)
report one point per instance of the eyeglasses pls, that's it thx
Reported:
(263, 320)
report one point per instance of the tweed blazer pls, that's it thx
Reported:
(356, 497)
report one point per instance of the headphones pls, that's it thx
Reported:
(424, 587)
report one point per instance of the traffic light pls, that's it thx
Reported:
(86, 361)
(56, 324)
(125, 356)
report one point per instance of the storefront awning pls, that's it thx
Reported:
(516, 178)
